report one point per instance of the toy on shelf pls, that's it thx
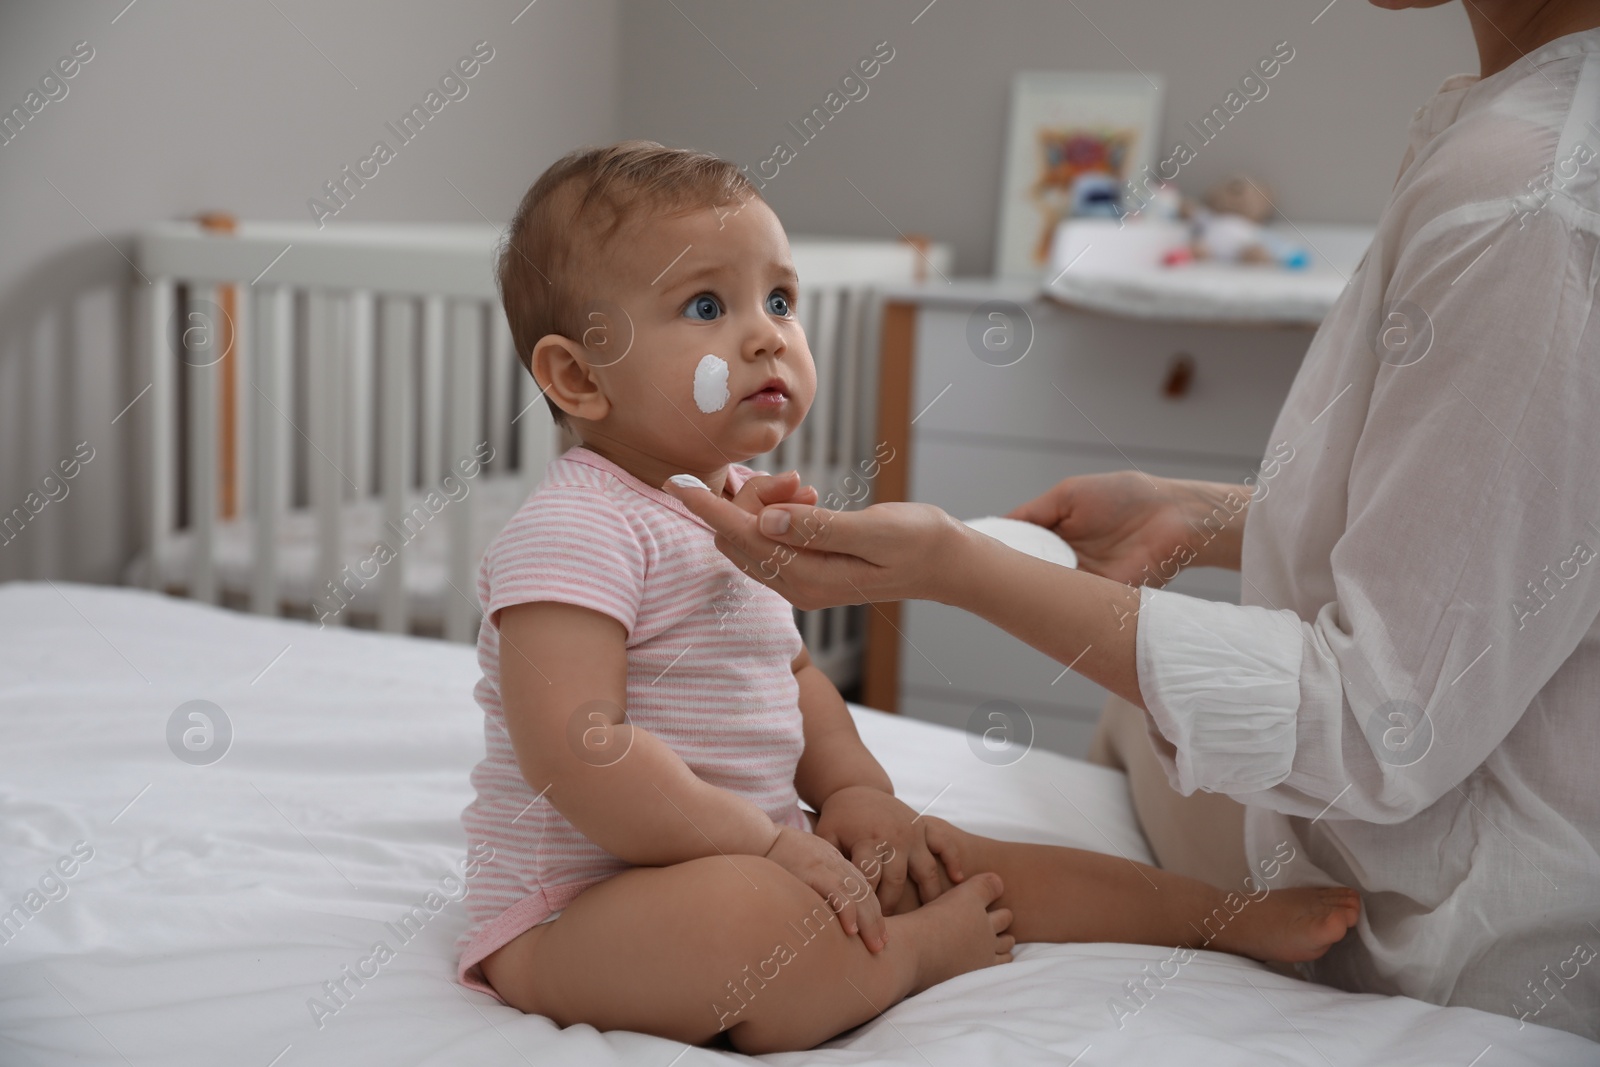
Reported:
(1228, 227)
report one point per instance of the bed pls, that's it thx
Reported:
(212, 895)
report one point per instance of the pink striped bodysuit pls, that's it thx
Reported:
(710, 655)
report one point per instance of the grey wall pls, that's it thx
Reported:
(924, 146)
(243, 107)
(250, 107)
(190, 105)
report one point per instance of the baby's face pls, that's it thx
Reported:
(718, 369)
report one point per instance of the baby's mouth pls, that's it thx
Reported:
(772, 391)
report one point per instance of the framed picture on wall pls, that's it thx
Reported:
(1076, 139)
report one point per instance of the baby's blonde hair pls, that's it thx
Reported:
(551, 252)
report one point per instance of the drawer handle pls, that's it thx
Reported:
(1180, 376)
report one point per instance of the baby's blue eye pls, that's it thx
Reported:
(778, 304)
(703, 308)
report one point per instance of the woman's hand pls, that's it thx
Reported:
(860, 821)
(847, 891)
(1141, 530)
(884, 552)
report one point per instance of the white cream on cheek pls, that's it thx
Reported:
(711, 384)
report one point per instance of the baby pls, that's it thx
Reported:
(652, 719)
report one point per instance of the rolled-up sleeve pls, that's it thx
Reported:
(1222, 684)
(1465, 572)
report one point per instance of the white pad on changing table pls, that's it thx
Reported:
(1027, 537)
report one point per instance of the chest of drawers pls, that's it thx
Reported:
(991, 395)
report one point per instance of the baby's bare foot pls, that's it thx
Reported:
(1290, 925)
(960, 931)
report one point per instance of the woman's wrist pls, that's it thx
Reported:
(1216, 511)
(949, 561)
(1078, 618)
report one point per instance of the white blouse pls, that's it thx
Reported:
(1410, 693)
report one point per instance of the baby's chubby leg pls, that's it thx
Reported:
(737, 943)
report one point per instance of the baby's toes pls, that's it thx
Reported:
(1344, 900)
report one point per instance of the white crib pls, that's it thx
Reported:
(372, 428)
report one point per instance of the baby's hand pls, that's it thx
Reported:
(764, 489)
(860, 820)
(846, 890)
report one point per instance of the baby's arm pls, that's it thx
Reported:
(857, 809)
(563, 682)
(834, 756)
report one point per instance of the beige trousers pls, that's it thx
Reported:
(1202, 835)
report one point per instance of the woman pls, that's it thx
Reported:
(1407, 694)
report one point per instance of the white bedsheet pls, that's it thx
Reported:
(220, 898)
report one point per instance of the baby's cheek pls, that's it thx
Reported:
(805, 396)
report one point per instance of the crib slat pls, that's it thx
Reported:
(160, 491)
(503, 391)
(821, 464)
(394, 467)
(848, 624)
(326, 376)
(868, 340)
(362, 393)
(46, 342)
(269, 438)
(847, 419)
(431, 468)
(811, 623)
(466, 434)
(200, 335)
(241, 398)
(537, 432)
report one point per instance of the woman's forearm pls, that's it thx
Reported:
(1081, 620)
(1216, 512)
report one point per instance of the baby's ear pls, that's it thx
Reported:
(564, 376)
